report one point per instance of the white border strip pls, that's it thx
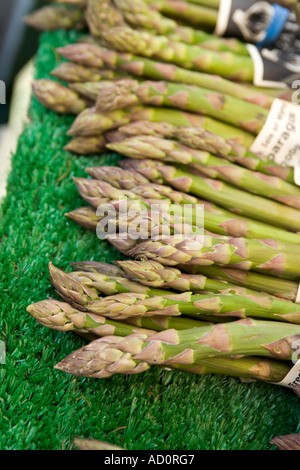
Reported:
(259, 70)
(298, 296)
(223, 17)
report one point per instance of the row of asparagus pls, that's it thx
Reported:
(224, 303)
(191, 330)
(180, 343)
(178, 19)
(157, 35)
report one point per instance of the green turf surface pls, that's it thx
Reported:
(42, 408)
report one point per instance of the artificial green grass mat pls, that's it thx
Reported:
(42, 408)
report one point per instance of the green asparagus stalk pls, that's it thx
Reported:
(86, 217)
(201, 139)
(112, 175)
(90, 90)
(233, 277)
(75, 3)
(275, 286)
(63, 317)
(139, 14)
(235, 200)
(110, 285)
(248, 368)
(92, 122)
(169, 151)
(98, 267)
(156, 275)
(185, 33)
(226, 108)
(291, 442)
(130, 304)
(134, 355)
(57, 97)
(263, 256)
(54, 17)
(71, 72)
(198, 37)
(226, 64)
(206, 3)
(153, 274)
(196, 15)
(102, 15)
(91, 55)
(87, 145)
(145, 195)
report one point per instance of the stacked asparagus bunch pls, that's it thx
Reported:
(192, 72)
(183, 343)
(188, 317)
(220, 297)
(159, 15)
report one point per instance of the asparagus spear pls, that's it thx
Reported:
(233, 277)
(86, 217)
(259, 282)
(90, 90)
(111, 175)
(139, 14)
(225, 64)
(102, 15)
(92, 122)
(57, 97)
(54, 17)
(134, 355)
(216, 220)
(130, 304)
(240, 253)
(98, 267)
(63, 317)
(201, 139)
(125, 93)
(206, 3)
(169, 151)
(248, 368)
(87, 145)
(235, 200)
(71, 72)
(91, 55)
(196, 15)
(110, 285)
(153, 274)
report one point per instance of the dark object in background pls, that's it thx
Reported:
(18, 43)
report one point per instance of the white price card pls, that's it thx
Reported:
(292, 380)
(279, 138)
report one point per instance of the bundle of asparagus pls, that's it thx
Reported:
(211, 353)
(101, 15)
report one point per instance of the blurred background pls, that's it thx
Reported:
(18, 44)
